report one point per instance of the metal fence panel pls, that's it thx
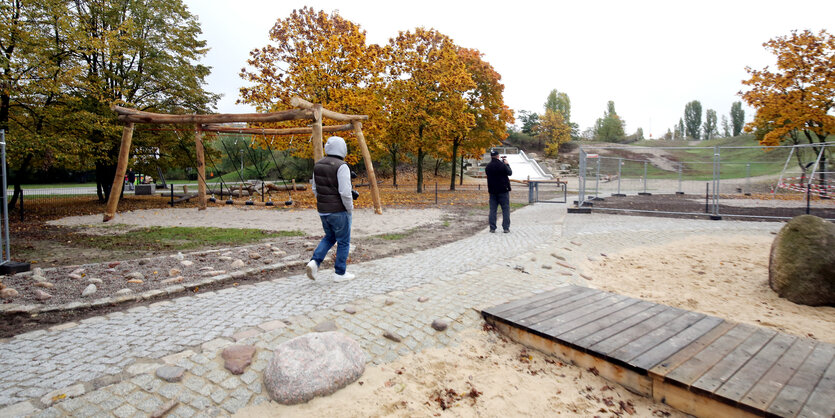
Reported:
(761, 182)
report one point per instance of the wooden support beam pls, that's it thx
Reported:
(138, 116)
(304, 104)
(318, 148)
(121, 168)
(369, 167)
(304, 130)
(201, 169)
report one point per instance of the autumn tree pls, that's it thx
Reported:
(554, 131)
(795, 101)
(610, 127)
(710, 126)
(426, 88)
(560, 102)
(737, 118)
(485, 102)
(139, 54)
(322, 58)
(693, 119)
(726, 128)
(529, 120)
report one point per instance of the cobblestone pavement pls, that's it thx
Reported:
(106, 365)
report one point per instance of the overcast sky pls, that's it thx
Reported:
(649, 57)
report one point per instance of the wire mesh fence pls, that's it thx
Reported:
(760, 182)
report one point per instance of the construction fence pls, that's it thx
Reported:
(743, 182)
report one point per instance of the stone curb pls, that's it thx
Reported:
(147, 295)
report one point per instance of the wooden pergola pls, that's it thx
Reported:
(211, 123)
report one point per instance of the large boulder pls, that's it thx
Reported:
(801, 267)
(315, 364)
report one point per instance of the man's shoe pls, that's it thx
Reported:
(311, 269)
(338, 278)
(506, 231)
(492, 231)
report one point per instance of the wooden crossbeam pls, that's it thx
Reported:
(303, 130)
(138, 116)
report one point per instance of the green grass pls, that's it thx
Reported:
(396, 236)
(183, 238)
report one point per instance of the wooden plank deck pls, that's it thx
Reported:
(699, 364)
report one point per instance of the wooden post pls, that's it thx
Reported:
(201, 168)
(121, 168)
(318, 148)
(369, 167)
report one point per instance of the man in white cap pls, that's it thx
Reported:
(332, 187)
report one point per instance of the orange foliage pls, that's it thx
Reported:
(798, 97)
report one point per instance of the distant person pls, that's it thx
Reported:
(131, 179)
(332, 187)
(498, 186)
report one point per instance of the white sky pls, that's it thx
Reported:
(650, 57)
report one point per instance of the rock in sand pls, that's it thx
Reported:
(315, 364)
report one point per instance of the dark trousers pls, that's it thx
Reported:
(502, 199)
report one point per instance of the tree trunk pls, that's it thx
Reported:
(453, 161)
(21, 175)
(393, 153)
(437, 166)
(420, 156)
(461, 177)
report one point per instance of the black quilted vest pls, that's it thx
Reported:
(327, 185)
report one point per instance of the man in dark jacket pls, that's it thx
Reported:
(332, 187)
(498, 185)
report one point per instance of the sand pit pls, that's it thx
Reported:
(724, 276)
(365, 221)
(484, 376)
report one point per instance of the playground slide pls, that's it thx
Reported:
(525, 168)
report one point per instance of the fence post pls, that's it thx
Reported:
(680, 170)
(22, 212)
(597, 179)
(808, 189)
(530, 192)
(581, 181)
(7, 248)
(620, 166)
(172, 196)
(707, 194)
(716, 176)
(645, 179)
(436, 192)
(747, 179)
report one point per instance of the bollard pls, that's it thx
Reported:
(436, 192)
(172, 196)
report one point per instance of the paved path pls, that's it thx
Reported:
(105, 365)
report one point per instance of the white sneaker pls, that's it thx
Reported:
(338, 278)
(311, 269)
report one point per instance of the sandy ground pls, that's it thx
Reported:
(725, 277)
(485, 376)
(365, 221)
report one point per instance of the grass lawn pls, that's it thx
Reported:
(184, 238)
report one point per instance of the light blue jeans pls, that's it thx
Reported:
(337, 228)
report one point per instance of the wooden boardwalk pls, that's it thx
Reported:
(699, 364)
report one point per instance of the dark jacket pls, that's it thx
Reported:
(328, 199)
(497, 176)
